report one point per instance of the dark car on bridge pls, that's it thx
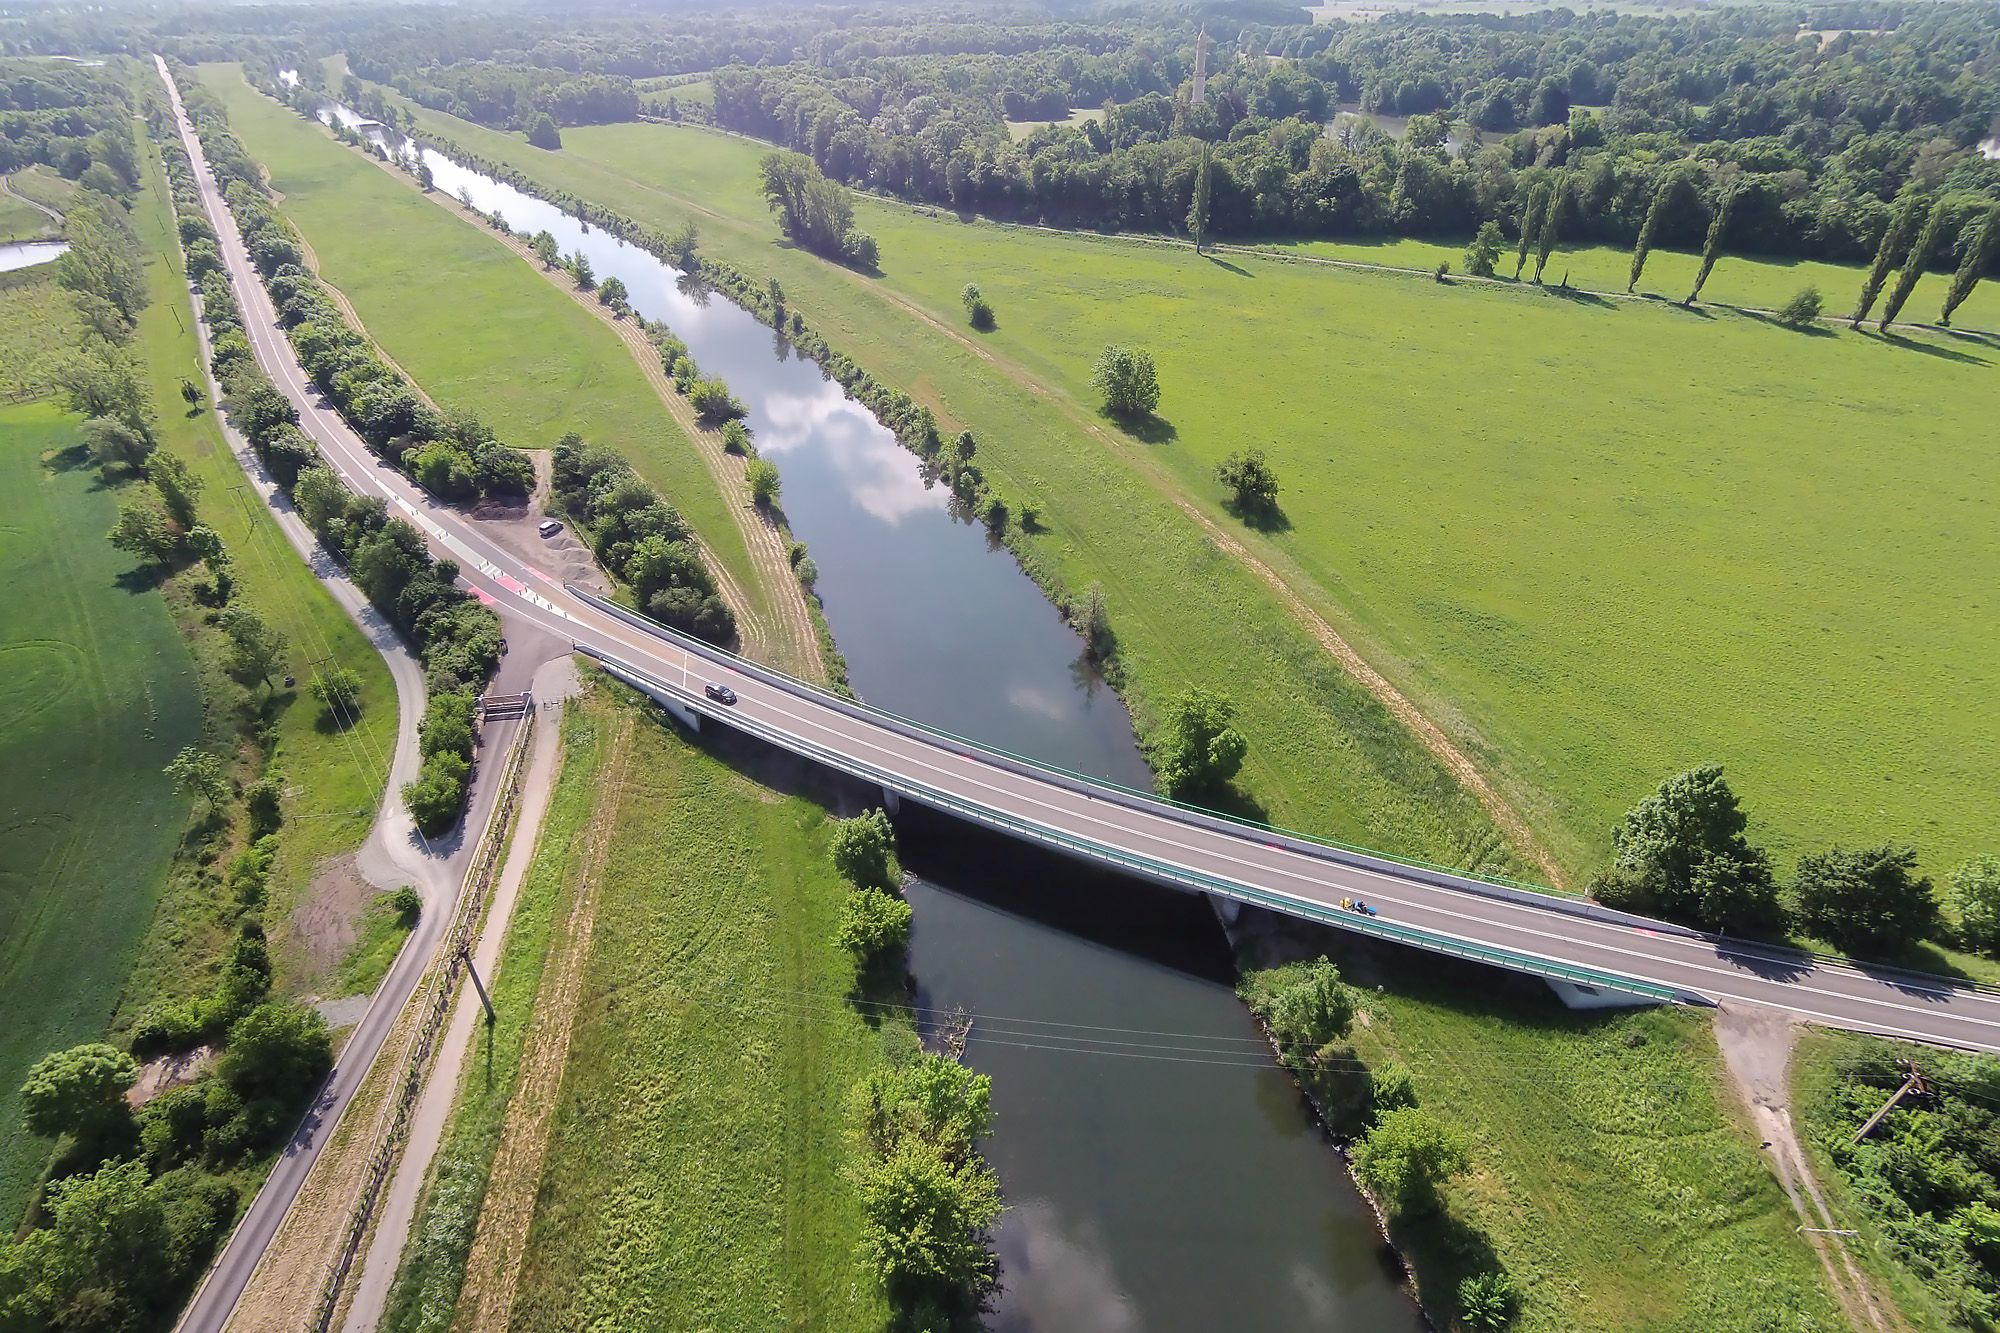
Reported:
(722, 694)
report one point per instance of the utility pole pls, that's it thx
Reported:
(1914, 1082)
(473, 972)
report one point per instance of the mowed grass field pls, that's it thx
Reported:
(1758, 282)
(97, 694)
(473, 324)
(1598, 542)
(698, 1171)
(1614, 1172)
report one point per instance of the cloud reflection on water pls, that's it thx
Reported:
(878, 474)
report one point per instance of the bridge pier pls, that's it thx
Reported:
(1227, 910)
(1576, 995)
(892, 801)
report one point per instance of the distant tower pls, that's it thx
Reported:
(1200, 89)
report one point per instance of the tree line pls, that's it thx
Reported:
(457, 639)
(928, 1198)
(641, 539)
(1682, 853)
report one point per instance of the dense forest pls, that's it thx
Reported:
(1811, 120)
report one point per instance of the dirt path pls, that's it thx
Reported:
(554, 684)
(500, 1242)
(1757, 1049)
(7, 188)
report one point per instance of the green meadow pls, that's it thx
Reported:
(700, 1170)
(1597, 541)
(97, 694)
(1757, 282)
(471, 322)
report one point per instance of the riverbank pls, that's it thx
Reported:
(483, 332)
(1614, 1175)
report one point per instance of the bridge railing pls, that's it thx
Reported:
(1145, 866)
(1307, 844)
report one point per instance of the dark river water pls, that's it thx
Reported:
(1159, 1172)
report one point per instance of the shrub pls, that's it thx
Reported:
(279, 1050)
(925, 1221)
(339, 695)
(874, 926)
(80, 1091)
(1802, 310)
(762, 475)
(1975, 893)
(1869, 900)
(1488, 1300)
(712, 401)
(735, 439)
(864, 851)
(977, 309)
(407, 904)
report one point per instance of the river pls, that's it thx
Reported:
(1158, 1182)
(27, 254)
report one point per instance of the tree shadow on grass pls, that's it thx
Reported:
(1968, 336)
(1265, 518)
(1578, 296)
(1147, 427)
(1689, 308)
(1222, 263)
(72, 459)
(1930, 349)
(1815, 329)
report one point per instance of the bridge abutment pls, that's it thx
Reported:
(676, 709)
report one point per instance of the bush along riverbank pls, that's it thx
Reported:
(928, 1199)
(457, 639)
(688, 600)
(1009, 520)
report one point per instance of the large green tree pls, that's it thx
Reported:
(1127, 380)
(256, 651)
(1406, 1157)
(1199, 751)
(1681, 853)
(81, 1092)
(1865, 901)
(864, 850)
(1711, 246)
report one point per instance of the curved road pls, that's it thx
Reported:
(1550, 936)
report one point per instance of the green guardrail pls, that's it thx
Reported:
(1150, 867)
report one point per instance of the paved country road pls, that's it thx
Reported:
(1438, 910)
(393, 854)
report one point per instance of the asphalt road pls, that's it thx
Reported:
(394, 854)
(1153, 837)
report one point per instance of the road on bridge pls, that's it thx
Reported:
(1534, 932)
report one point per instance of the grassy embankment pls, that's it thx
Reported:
(469, 321)
(1616, 539)
(699, 1170)
(333, 779)
(1613, 1173)
(696, 1170)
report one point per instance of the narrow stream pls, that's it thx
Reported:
(1154, 1182)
